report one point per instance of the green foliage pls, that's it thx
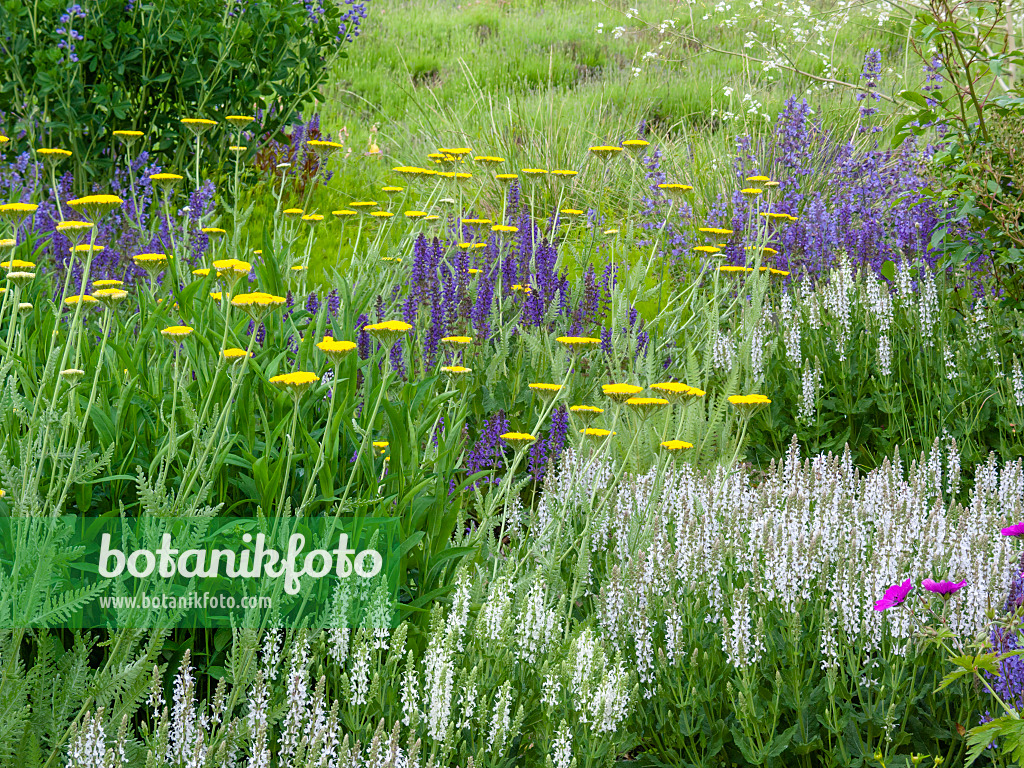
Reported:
(147, 67)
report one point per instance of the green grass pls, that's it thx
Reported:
(537, 81)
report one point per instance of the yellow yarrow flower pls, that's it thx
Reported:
(381, 445)
(675, 446)
(229, 268)
(240, 121)
(707, 249)
(635, 145)
(391, 190)
(757, 179)
(295, 383)
(518, 439)
(620, 393)
(577, 342)
(364, 204)
(17, 212)
(504, 228)
(107, 283)
(471, 246)
(415, 214)
(382, 214)
(457, 370)
(198, 125)
(546, 391)
(292, 213)
(215, 231)
(457, 340)
(84, 299)
(17, 264)
(166, 180)
(571, 211)
(473, 222)
(533, 172)
(344, 213)
(604, 152)
(87, 248)
(488, 159)
(597, 434)
(324, 148)
(110, 296)
(128, 137)
(508, 178)
(7, 243)
(234, 354)
(177, 331)
(312, 218)
(53, 154)
(21, 277)
(748, 403)
(336, 350)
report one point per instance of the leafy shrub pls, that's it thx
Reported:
(81, 74)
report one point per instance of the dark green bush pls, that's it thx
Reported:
(69, 76)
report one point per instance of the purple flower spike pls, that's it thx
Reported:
(894, 595)
(1017, 529)
(943, 587)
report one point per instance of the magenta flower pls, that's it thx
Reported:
(943, 588)
(894, 595)
(1017, 529)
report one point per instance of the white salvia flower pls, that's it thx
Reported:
(561, 747)
(837, 298)
(259, 700)
(791, 322)
(949, 363)
(495, 612)
(360, 678)
(885, 355)
(928, 304)
(468, 703)
(758, 347)
(723, 352)
(273, 643)
(297, 714)
(89, 747)
(500, 720)
(551, 688)
(185, 744)
(438, 685)
(410, 693)
(458, 616)
(609, 703)
(811, 380)
(536, 624)
(1018, 382)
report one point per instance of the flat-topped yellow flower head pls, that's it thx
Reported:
(324, 148)
(312, 218)
(676, 446)
(751, 191)
(414, 214)
(213, 232)
(504, 229)
(563, 174)
(151, 262)
(472, 246)
(336, 350)
(107, 283)
(95, 207)
(381, 445)
(546, 391)
(409, 171)
(344, 213)
(240, 121)
(176, 332)
(620, 393)
(677, 391)
(231, 270)
(605, 152)
(597, 434)
(17, 212)
(675, 191)
(257, 304)
(457, 340)
(198, 125)
(635, 145)
(456, 370)
(84, 299)
(506, 178)
(533, 173)
(128, 137)
(391, 190)
(488, 160)
(295, 383)
(476, 222)
(109, 297)
(578, 342)
(53, 155)
(757, 179)
(388, 332)
(518, 439)
(17, 264)
(292, 213)
(166, 181)
(234, 354)
(7, 244)
(707, 249)
(87, 248)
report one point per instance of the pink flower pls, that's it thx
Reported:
(1017, 529)
(943, 587)
(894, 595)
